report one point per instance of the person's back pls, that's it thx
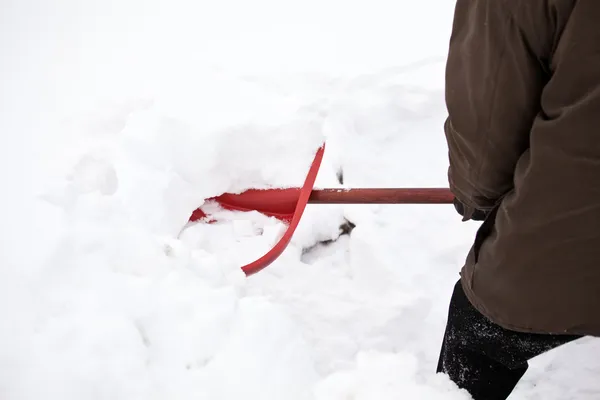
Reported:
(523, 96)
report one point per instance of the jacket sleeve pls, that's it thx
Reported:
(495, 74)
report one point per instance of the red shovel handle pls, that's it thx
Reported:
(382, 196)
(282, 203)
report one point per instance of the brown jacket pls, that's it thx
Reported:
(523, 97)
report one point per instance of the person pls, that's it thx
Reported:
(523, 135)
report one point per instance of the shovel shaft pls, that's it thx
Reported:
(382, 196)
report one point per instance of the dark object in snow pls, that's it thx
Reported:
(483, 358)
(345, 229)
(340, 176)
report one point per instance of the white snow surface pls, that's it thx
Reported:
(117, 120)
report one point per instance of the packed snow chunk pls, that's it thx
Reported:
(168, 165)
(265, 357)
(235, 239)
(319, 223)
(238, 238)
(386, 376)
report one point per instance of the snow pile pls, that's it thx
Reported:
(387, 376)
(161, 162)
(122, 308)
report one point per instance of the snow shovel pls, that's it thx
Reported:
(288, 205)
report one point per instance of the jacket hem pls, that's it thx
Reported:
(476, 302)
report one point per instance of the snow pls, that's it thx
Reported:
(119, 118)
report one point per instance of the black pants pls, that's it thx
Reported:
(484, 358)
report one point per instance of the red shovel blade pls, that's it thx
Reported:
(278, 203)
(285, 204)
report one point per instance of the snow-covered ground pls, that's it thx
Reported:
(118, 118)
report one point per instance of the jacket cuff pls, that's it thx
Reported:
(469, 212)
